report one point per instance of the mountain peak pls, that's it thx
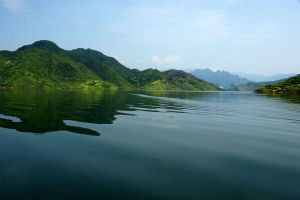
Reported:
(220, 78)
(45, 45)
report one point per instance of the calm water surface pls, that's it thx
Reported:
(149, 145)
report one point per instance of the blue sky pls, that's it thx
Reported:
(256, 36)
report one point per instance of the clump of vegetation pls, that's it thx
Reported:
(290, 86)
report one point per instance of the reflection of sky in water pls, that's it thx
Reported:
(243, 104)
(13, 119)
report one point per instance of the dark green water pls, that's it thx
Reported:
(149, 145)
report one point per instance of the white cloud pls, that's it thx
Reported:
(171, 59)
(156, 59)
(14, 5)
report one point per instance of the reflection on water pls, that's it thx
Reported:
(153, 145)
(288, 102)
(46, 110)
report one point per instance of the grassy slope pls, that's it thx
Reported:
(147, 76)
(106, 67)
(290, 86)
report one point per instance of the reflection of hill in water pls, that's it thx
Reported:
(289, 98)
(46, 110)
(287, 101)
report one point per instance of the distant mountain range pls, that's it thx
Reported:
(45, 65)
(263, 78)
(222, 79)
(231, 81)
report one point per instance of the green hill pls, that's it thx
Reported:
(108, 68)
(177, 80)
(251, 86)
(45, 65)
(290, 86)
(42, 65)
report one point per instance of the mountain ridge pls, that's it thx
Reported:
(263, 78)
(43, 64)
(220, 78)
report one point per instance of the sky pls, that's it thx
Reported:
(254, 36)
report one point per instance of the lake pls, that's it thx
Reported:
(95, 144)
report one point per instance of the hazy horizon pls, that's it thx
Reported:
(258, 37)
